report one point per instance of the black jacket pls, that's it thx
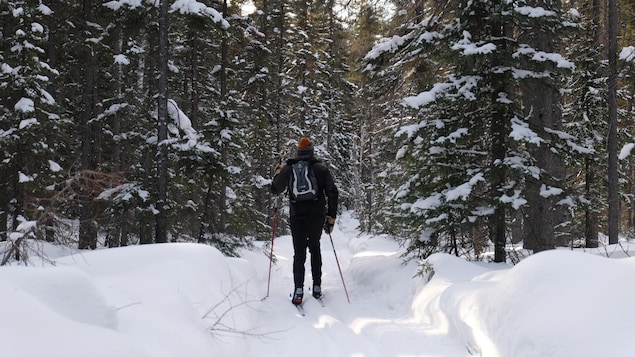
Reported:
(327, 194)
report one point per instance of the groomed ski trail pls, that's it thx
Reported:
(378, 322)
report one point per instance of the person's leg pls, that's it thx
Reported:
(298, 232)
(314, 227)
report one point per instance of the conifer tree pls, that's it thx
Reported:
(584, 114)
(375, 80)
(29, 113)
(464, 156)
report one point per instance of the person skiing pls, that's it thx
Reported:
(307, 215)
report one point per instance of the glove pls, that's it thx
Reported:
(278, 168)
(329, 224)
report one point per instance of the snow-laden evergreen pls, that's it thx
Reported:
(478, 151)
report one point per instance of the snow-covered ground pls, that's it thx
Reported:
(172, 300)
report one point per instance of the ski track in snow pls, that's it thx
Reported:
(184, 299)
(378, 322)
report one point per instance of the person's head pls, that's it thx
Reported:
(305, 147)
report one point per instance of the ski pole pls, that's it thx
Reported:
(339, 268)
(273, 234)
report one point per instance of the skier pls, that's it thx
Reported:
(307, 217)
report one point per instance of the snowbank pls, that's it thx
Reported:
(158, 300)
(169, 300)
(556, 303)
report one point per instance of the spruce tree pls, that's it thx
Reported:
(464, 156)
(29, 114)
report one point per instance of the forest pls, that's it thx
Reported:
(453, 126)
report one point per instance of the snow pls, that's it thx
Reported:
(54, 166)
(179, 299)
(181, 120)
(425, 98)
(35, 27)
(522, 132)
(516, 200)
(541, 56)
(627, 54)
(191, 7)
(199, 8)
(25, 105)
(22, 177)
(427, 203)
(45, 10)
(548, 191)
(463, 191)
(385, 45)
(27, 122)
(121, 59)
(534, 12)
(626, 151)
(467, 47)
(118, 4)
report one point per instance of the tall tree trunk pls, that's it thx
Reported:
(118, 235)
(161, 228)
(543, 109)
(591, 229)
(332, 80)
(225, 145)
(368, 167)
(87, 223)
(4, 222)
(194, 78)
(5, 194)
(499, 132)
(612, 135)
(280, 67)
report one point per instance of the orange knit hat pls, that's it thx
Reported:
(305, 147)
(304, 143)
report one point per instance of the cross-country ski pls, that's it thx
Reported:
(300, 309)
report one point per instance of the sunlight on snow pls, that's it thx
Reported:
(325, 321)
(374, 254)
(360, 323)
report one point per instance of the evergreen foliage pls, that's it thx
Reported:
(467, 157)
(429, 116)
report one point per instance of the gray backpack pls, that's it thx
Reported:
(303, 185)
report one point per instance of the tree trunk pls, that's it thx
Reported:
(145, 228)
(280, 45)
(332, 81)
(87, 223)
(161, 232)
(542, 107)
(498, 149)
(612, 134)
(590, 216)
(194, 78)
(225, 145)
(591, 220)
(5, 193)
(368, 167)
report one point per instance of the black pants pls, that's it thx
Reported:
(306, 232)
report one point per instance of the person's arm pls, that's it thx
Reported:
(332, 195)
(280, 180)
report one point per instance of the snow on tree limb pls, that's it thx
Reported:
(191, 7)
(627, 54)
(626, 151)
(198, 8)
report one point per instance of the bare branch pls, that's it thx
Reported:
(219, 325)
